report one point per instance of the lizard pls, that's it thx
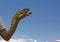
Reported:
(6, 35)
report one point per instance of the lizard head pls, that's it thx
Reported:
(20, 14)
(27, 11)
(24, 12)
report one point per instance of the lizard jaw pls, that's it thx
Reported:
(28, 13)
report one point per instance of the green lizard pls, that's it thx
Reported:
(6, 35)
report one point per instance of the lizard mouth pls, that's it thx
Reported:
(28, 13)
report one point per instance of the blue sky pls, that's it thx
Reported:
(43, 24)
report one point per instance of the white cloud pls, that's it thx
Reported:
(20, 40)
(46, 41)
(57, 40)
(35, 40)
